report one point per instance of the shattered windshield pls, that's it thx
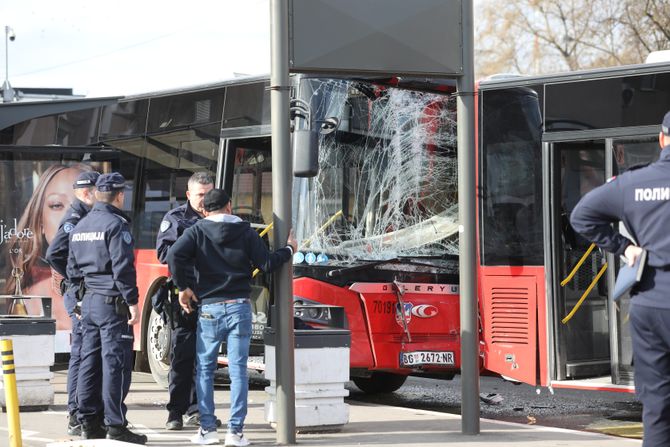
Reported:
(387, 184)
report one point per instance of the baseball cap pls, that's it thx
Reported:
(215, 199)
(665, 127)
(110, 182)
(86, 179)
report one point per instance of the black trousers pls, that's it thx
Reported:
(650, 330)
(106, 361)
(183, 399)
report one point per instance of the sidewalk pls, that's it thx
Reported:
(370, 425)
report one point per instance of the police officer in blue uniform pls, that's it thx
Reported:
(640, 198)
(183, 403)
(101, 255)
(57, 254)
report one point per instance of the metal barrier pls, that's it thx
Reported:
(32, 337)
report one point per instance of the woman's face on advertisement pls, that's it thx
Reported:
(58, 197)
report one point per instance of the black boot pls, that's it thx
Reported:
(92, 430)
(121, 433)
(73, 426)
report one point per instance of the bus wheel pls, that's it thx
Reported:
(158, 348)
(379, 382)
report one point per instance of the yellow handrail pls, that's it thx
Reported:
(332, 219)
(579, 264)
(588, 290)
(261, 234)
(265, 231)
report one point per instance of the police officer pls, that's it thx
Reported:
(223, 249)
(101, 255)
(183, 400)
(57, 254)
(640, 198)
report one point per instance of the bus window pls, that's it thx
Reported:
(252, 184)
(634, 151)
(511, 191)
(169, 160)
(247, 105)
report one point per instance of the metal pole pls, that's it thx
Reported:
(466, 210)
(282, 179)
(7, 91)
(7, 54)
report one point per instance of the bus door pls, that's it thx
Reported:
(624, 153)
(581, 339)
(247, 177)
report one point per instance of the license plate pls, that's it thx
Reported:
(427, 358)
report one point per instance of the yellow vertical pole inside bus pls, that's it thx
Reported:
(11, 395)
(261, 234)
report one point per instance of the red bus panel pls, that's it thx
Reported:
(509, 325)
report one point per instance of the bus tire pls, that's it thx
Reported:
(379, 382)
(158, 336)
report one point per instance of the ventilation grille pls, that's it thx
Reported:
(509, 315)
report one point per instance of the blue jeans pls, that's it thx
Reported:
(218, 323)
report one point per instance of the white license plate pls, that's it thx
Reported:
(427, 358)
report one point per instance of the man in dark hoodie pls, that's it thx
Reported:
(224, 250)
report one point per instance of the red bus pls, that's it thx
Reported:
(378, 225)
(547, 317)
(387, 191)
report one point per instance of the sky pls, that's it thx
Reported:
(122, 47)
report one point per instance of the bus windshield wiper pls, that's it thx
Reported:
(373, 264)
(369, 265)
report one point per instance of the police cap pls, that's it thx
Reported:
(665, 127)
(110, 182)
(86, 179)
(215, 199)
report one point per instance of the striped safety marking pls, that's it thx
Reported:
(8, 362)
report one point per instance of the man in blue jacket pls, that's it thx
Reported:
(57, 253)
(224, 250)
(640, 198)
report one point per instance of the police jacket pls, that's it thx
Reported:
(640, 198)
(101, 253)
(173, 225)
(60, 245)
(224, 250)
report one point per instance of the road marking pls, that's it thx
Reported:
(29, 435)
(141, 428)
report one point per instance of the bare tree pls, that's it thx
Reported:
(542, 36)
(648, 25)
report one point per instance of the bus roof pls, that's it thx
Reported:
(597, 73)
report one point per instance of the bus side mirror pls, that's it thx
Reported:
(306, 146)
(305, 153)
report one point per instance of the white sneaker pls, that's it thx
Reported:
(206, 437)
(236, 440)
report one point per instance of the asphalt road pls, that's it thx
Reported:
(607, 412)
